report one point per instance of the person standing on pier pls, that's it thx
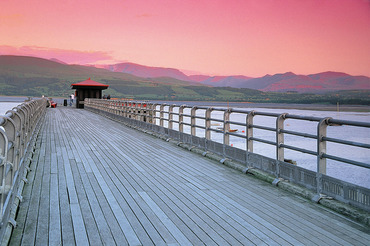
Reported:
(71, 97)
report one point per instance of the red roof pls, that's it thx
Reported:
(89, 82)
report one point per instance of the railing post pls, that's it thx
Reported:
(193, 120)
(279, 141)
(249, 131)
(149, 113)
(141, 111)
(3, 161)
(227, 126)
(321, 150)
(125, 109)
(154, 113)
(170, 116)
(161, 114)
(280, 137)
(181, 118)
(208, 123)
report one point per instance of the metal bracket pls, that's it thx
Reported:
(168, 139)
(223, 160)
(20, 197)
(191, 147)
(247, 169)
(12, 222)
(276, 181)
(316, 198)
(204, 153)
(178, 144)
(10, 164)
(25, 180)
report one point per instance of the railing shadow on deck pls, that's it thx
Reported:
(18, 132)
(164, 118)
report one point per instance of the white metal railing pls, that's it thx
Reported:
(171, 120)
(17, 129)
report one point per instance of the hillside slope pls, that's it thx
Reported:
(284, 82)
(31, 76)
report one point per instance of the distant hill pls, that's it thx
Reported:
(145, 71)
(313, 83)
(222, 81)
(31, 76)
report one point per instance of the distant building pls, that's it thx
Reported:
(87, 89)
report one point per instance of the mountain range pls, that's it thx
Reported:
(32, 76)
(284, 82)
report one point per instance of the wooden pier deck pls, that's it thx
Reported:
(94, 181)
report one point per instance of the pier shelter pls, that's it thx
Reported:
(87, 89)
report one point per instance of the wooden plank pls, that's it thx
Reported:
(29, 233)
(65, 212)
(117, 211)
(291, 222)
(18, 232)
(114, 227)
(78, 225)
(189, 206)
(55, 237)
(102, 224)
(88, 218)
(42, 230)
(71, 188)
(179, 236)
(153, 230)
(133, 213)
(115, 185)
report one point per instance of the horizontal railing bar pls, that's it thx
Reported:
(349, 123)
(302, 117)
(298, 149)
(266, 114)
(241, 111)
(236, 135)
(335, 140)
(216, 130)
(263, 128)
(306, 135)
(262, 140)
(199, 117)
(8, 114)
(356, 163)
(236, 123)
(218, 109)
(201, 107)
(217, 120)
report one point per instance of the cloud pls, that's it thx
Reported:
(67, 56)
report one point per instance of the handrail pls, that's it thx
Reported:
(199, 118)
(17, 129)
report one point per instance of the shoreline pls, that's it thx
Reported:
(318, 107)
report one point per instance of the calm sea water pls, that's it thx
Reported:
(349, 173)
(5, 106)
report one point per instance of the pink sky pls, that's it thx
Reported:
(215, 37)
